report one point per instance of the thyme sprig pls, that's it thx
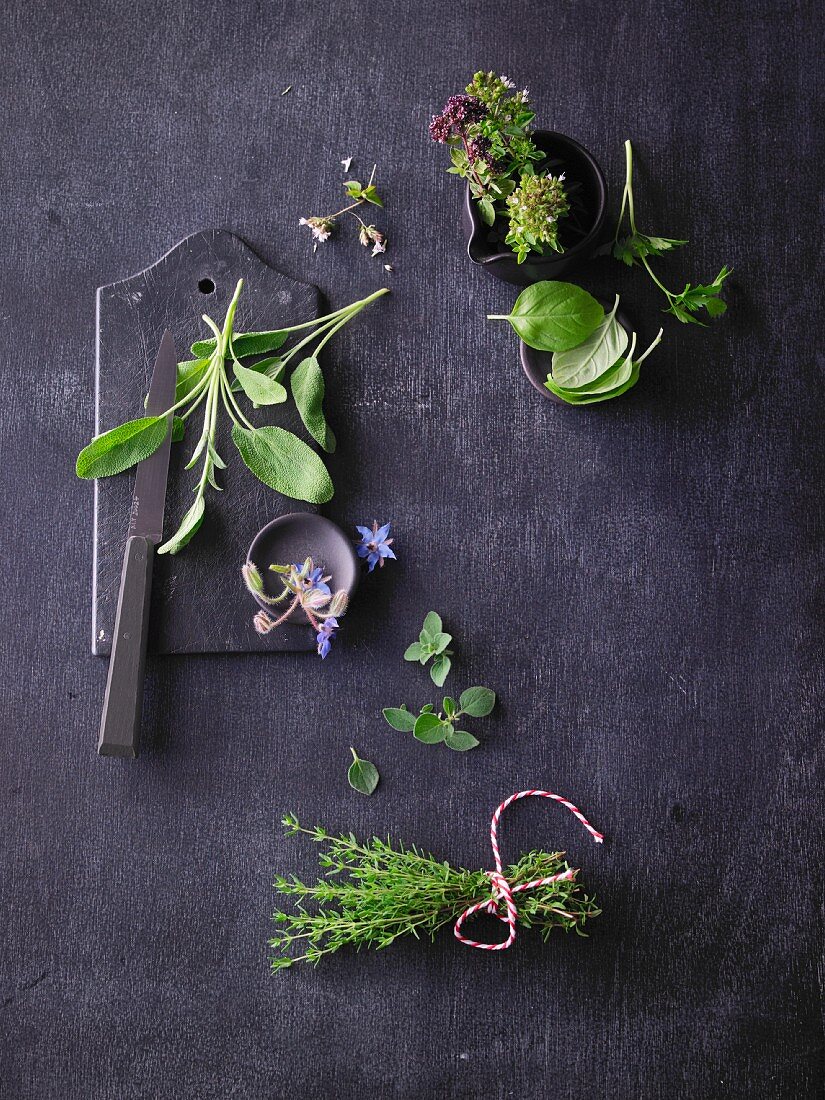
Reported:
(374, 892)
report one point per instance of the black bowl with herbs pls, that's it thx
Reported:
(580, 230)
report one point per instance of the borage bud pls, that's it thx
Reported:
(252, 578)
(338, 604)
(263, 623)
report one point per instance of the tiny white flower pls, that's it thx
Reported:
(525, 94)
(379, 246)
(388, 267)
(507, 82)
(346, 163)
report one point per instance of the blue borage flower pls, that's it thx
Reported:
(375, 544)
(326, 634)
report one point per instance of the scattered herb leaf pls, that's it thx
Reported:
(362, 775)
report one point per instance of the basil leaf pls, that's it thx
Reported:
(245, 343)
(429, 729)
(440, 669)
(188, 527)
(399, 718)
(574, 397)
(307, 385)
(554, 316)
(586, 362)
(460, 741)
(477, 701)
(121, 447)
(413, 652)
(258, 388)
(362, 775)
(284, 462)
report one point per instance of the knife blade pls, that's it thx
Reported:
(123, 701)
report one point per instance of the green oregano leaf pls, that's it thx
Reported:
(413, 652)
(553, 316)
(400, 719)
(121, 447)
(477, 701)
(439, 669)
(307, 385)
(460, 741)
(284, 462)
(362, 775)
(432, 626)
(429, 728)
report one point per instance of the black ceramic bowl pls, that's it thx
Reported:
(581, 233)
(295, 537)
(536, 364)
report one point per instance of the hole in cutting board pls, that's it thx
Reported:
(206, 286)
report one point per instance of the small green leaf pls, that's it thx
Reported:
(273, 367)
(399, 718)
(429, 729)
(352, 187)
(189, 374)
(413, 652)
(188, 527)
(432, 626)
(371, 195)
(284, 462)
(427, 708)
(307, 385)
(178, 429)
(449, 706)
(245, 343)
(260, 389)
(477, 701)
(362, 775)
(487, 211)
(441, 641)
(121, 447)
(440, 669)
(460, 741)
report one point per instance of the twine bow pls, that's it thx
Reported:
(502, 891)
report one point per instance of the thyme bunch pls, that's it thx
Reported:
(374, 892)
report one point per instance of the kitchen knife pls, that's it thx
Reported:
(123, 701)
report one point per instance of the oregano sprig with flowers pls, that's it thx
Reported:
(488, 131)
(276, 456)
(637, 247)
(323, 226)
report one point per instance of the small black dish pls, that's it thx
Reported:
(536, 363)
(580, 233)
(295, 537)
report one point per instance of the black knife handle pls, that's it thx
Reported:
(123, 702)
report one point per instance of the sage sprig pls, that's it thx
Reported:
(212, 380)
(434, 728)
(375, 891)
(636, 247)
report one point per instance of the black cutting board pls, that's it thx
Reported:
(199, 603)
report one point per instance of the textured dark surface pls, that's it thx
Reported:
(641, 582)
(198, 605)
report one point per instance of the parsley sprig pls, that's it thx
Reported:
(637, 247)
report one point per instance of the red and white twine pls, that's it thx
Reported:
(502, 890)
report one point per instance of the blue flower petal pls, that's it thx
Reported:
(386, 552)
(364, 532)
(383, 533)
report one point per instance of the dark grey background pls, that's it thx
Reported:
(641, 582)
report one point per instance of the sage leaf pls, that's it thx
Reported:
(284, 462)
(121, 447)
(260, 389)
(189, 374)
(245, 343)
(460, 741)
(586, 362)
(413, 652)
(188, 527)
(477, 701)
(307, 385)
(430, 729)
(553, 316)
(400, 719)
(362, 775)
(178, 429)
(439, 669)
(273, 367)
